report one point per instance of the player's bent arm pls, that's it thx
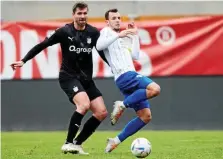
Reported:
(135, 47)
(104, 41)
(53, 39)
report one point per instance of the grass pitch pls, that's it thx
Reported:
(165, 145)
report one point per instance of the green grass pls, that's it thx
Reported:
(165, 145)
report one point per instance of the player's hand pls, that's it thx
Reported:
(131, 25)
(127, 32)
(17, 64)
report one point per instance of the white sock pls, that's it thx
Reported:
(74, 142)
(123, 105)
(116, 140)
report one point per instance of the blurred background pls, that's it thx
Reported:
(181, 50)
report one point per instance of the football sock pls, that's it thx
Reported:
(131, 128)
(74, 125)
(116, 140)
(89, 128)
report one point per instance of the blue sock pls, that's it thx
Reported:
(136, 97)
(131, 128)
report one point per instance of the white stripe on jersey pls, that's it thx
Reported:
(118, 53)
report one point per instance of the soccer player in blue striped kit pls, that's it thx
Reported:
(120, 48)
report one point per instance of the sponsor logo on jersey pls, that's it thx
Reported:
(72, 48)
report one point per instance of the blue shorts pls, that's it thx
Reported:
(131, 81)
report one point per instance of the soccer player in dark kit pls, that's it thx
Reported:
(77, 40)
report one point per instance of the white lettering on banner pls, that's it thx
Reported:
(146, 64)
(53, 60)
(95, 62)
(28, 39)
(48, 65)
(165, 35)
(144, 35)
(9, 54)
(50, 33)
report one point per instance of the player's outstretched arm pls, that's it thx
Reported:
(49, 41)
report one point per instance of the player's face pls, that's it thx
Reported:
(80, 16)
(114, 20)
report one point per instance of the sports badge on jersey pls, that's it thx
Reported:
(88, 40)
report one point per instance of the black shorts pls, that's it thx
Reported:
(73, 86)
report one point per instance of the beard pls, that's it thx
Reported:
(81, 22)
(117, 30)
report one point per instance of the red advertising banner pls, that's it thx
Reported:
(183, 46)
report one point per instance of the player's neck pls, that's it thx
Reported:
(78, 27)
(115, 30)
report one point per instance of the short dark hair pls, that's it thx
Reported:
(110, 10)
(80, 5)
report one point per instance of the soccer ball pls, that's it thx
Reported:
(141, 147)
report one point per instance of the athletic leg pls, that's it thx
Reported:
(99, 114)
(99, 111)
(144, 90)
(79, 97)
(143, 117)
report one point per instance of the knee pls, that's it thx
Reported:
(101, 115)
(82, 102)
(83, 107)
(146, 118)
(104, 114)
(155, 90)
